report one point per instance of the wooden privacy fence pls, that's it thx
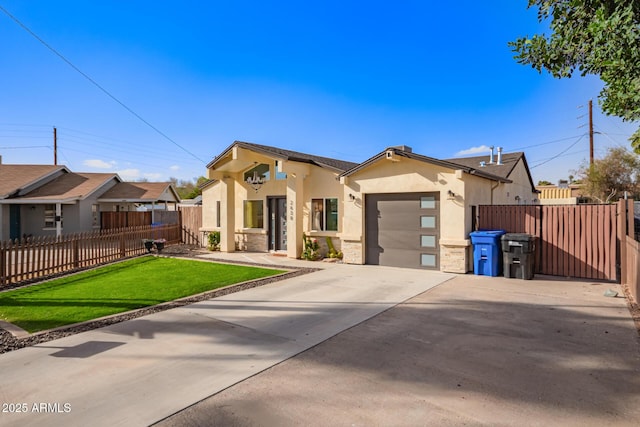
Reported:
(34, 258)
(581, 241)
(165, 217)
(630, 254)
(191, 220)
(109, 220)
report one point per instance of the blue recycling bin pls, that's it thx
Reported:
(487, 256)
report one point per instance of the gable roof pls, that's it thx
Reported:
(14, 178)
(295, 156)
(509, 162)
(443, 163)
(144, 192)
(68, 187)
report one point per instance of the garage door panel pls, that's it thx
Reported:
(391, 239)
(402, 229)
(407, 258)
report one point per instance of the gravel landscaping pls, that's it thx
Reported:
(9, 343)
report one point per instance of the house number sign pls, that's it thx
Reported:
(291, 210)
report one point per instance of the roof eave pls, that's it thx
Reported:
(418, 157)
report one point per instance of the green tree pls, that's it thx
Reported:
(544, 182)
(608, 178)
(188, 189)
(597, 37)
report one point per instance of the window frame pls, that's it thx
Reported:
(324, 220)
(265, 175)
(50, 216)
(259, 217)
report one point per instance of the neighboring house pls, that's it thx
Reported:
(196, 201)
(47, 200)
(561, 194)
(129, 196)
(397, 208)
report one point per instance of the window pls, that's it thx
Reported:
(324, 214)
(50, 216)
(427, 202)
(279, 175)
(428, 221)
(428, 260)
(259, 171)
(427, 241)
(253, 217)
(218, 213)
(95, 215)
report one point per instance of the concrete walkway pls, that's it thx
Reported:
(141, 371)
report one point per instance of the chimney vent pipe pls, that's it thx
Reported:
(499, 156)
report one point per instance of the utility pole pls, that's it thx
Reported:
(590, 132)
(55, 146)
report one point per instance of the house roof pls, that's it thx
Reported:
(68, 187)
(449, 164)
(14, 178)
(509, 162)
(141, 192)
(295, 156)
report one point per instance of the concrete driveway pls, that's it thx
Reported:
(472, 351)
(138, 372)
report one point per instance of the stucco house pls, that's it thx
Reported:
(397, 208)
(561, 194)
(130, 196)
(48, 200)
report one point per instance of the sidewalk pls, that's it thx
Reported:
(140, 371)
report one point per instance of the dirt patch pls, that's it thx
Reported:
(634, 308)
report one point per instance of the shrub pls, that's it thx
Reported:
(214, 241)
(311, 248)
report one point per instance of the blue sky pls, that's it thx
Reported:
(341, 79)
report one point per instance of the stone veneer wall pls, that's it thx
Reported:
(251, 242)
(352, 252)
(454, 258)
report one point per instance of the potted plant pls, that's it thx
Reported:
(148, 244)
(159, 244)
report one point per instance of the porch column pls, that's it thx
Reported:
(227, 215)
(58, 219)
(295, 200)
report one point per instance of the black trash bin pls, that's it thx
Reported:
(519, 252)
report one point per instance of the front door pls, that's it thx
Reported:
(14, 222)
(277, 223)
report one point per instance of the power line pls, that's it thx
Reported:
(545, 143)
(28, 146)
(559, 154)
(106, 92)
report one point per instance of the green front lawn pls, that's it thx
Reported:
(116, 288)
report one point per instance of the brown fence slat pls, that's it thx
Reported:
(191, 220)
(33, 258)
(573, 241)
